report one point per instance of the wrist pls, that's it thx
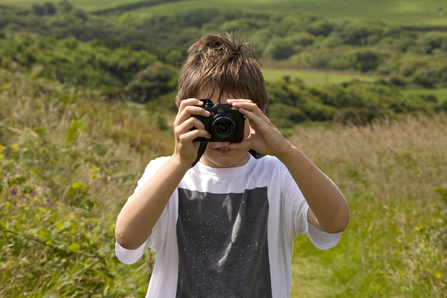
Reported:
(180, 163)
(286, 151)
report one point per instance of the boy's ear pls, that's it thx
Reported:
(260, 107)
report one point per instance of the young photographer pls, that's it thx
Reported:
(225, 227)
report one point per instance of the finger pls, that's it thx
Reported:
(232, 100)
(189, 111)
(189, 102)
(255, 117)
(190, 136)
(246, 104)
(188, 125)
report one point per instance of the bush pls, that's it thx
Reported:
(365, 60)
(425, 77)
(154, 81)
(282, 111)
(320, 28)
(319, 112)
(278, 49)
(357, 116)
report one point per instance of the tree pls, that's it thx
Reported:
(64, 7)
(321, 27)
(154, 81)
(365, 60)
(38, 10)
(278, 49)
(49, 9)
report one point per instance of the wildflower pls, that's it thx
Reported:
(50, 203)
(90, 227)
(2, 151)
(13, 191)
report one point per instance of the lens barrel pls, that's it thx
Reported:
(223, 128)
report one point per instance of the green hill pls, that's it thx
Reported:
(414, 12)
(71, 151)
(66, 171)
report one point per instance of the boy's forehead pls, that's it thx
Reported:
(215, 95)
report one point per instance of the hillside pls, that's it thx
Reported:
(396, 12)
(68, 163)
(86, 101)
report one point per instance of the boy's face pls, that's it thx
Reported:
(217, 154)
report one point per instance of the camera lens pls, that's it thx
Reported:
(223, 128)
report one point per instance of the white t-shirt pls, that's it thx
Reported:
(228, 232)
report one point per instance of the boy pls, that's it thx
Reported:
(226, 227)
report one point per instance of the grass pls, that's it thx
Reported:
(275, 70)
(68, 163)
(392, 11)
(440, 93)
(394, 245)
(316, 78)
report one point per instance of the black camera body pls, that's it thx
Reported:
(225, 123)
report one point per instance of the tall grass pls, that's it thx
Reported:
(395, 245)
(68, 162)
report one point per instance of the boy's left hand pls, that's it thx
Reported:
(264, 137)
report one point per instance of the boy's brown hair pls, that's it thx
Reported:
(225, 63)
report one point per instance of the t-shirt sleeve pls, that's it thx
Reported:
(294, 203)
(320, 239)
(298, 207)
(128, 256)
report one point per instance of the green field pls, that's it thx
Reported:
(316, 78)
(76, 134)
(414, 12)
(440, 93)
(68, 163)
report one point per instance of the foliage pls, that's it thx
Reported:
(357, 103)
(152, 82)
(95, 65)
(393, 176)
(64, 174)
(409, 54)
(68, 161)
(66, 171)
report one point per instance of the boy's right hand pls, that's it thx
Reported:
(187, 129)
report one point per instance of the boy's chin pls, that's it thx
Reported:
(225, 161)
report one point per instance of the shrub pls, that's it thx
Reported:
(154, 81)
(357, 116)
(320, 28)
(278, 49)
(282, 111)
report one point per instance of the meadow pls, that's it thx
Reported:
(391, 11)
(440, 93)
(395, 244)
(315, 77)
(69, 162)
(71, 153)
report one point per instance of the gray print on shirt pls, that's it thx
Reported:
(222, 242)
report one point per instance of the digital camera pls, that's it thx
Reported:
(225, 123)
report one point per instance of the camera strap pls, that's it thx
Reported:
(200, 152)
